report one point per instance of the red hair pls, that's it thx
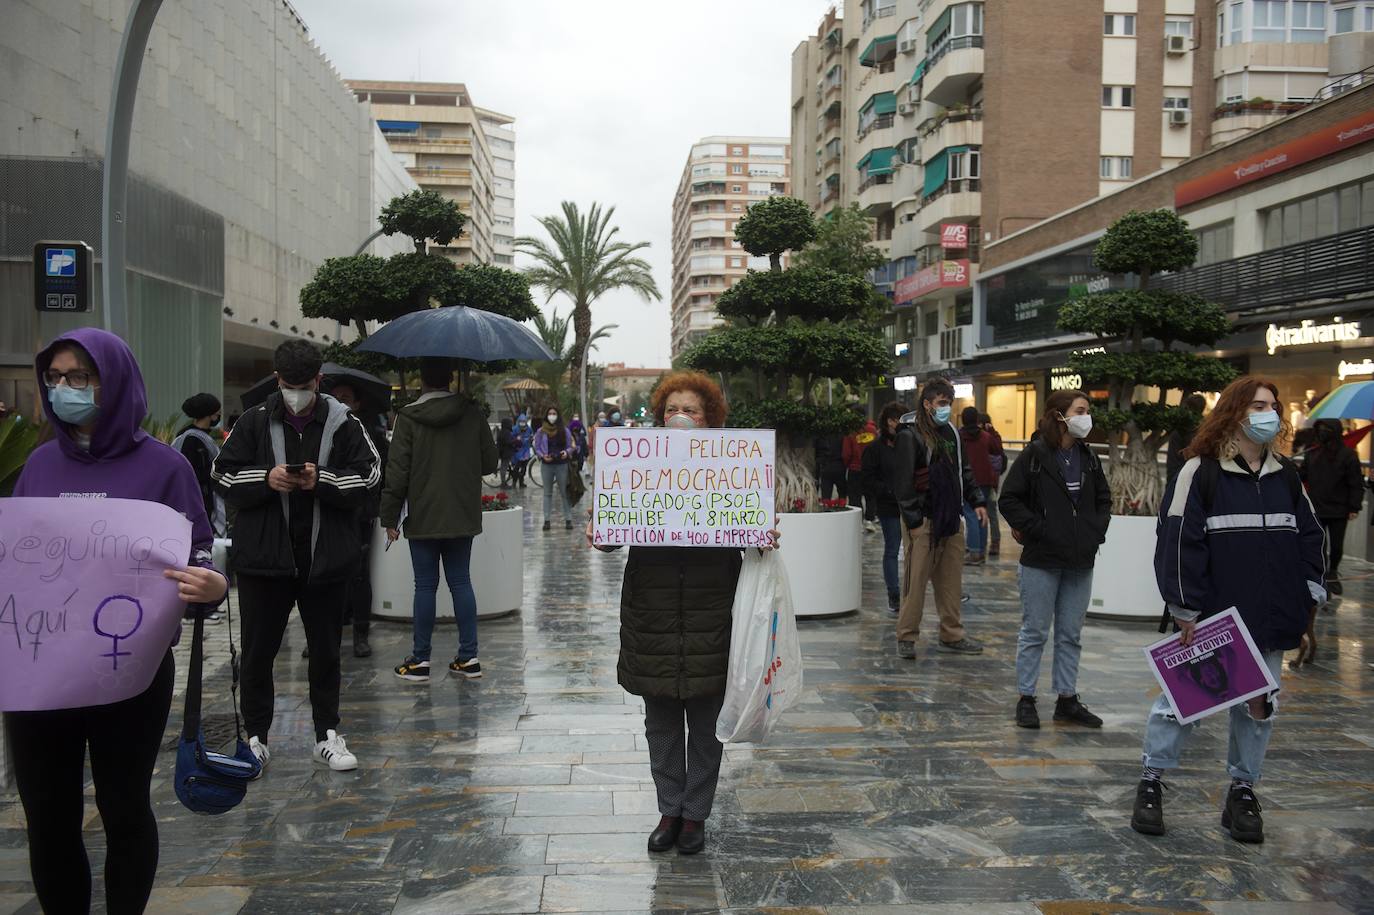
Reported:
(1216, 437)
(698, 383)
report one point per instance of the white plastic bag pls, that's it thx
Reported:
(765, 677)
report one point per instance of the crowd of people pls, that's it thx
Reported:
(304, 478)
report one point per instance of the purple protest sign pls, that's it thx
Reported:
(1221, 668)
(86, 615)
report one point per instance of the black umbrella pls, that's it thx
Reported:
(374, 394)
(457, 332)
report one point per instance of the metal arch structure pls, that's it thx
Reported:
(114, 192)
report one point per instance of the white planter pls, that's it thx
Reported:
(1124, 585)
(498, 559)
(822, 554)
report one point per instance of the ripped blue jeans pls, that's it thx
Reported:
(1165, 737)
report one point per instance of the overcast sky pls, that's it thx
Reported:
(608, 97)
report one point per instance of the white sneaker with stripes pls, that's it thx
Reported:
(334, 753)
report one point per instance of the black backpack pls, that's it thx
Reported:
(1093, 465)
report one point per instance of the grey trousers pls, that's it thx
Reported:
(685, 765)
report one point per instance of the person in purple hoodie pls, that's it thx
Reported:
(95, 406)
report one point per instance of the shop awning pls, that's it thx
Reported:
(399, 126)
(869, 57)
(878, 161)
(920, 71)
(936, 172)
(939, 28)
(880, 103)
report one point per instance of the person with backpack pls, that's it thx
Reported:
(1335, 482)
(1236, 529)
(880, 465)
(980, 448)
(1058, 504)
(555, 447)
(852, 453)
(997, 458)
(931, 481)
(505, 452)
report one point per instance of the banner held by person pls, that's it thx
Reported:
(86, 615)
(1221, 668)
(684, 487)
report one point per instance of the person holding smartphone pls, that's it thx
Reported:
(298, 467)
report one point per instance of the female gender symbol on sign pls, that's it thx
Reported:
(121, 621)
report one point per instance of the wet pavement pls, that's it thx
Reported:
(895, 786)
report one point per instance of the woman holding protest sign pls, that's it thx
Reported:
(1236, 530)
(95, 404)
(675, 620)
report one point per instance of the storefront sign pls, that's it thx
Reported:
(1023, 304)
(1310, 332)
(904, 383)
(1063, 378)
(1350, 132)
(1348, 369)
(942, 275)
(953, 235)
(684, 487)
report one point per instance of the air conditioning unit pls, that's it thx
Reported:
(1177, 44)
(908, 46)
(1179, 116)
(913, 94)
(905, 108)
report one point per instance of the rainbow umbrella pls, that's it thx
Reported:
(1354, 400)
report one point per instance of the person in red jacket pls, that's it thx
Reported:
(980, 446)
(852, 453)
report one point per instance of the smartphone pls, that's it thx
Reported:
(295, 468)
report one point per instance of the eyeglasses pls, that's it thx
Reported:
(77, 379)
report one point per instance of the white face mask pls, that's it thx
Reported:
(552, 418)
(1079, 426)
(297, 401)
(681, 421)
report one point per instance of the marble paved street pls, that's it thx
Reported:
(894, 787)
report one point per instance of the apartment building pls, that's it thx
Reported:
(955, 124)
(722, 177)
(442, 139)
(500, 131)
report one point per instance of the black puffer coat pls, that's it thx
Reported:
(675, 621)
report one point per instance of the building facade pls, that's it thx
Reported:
(250, 164)
(443, 141)
(956, 124)
(722, 178)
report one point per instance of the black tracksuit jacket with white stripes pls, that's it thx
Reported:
(322, 529)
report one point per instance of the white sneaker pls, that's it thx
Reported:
(260, 751)
(333, 752)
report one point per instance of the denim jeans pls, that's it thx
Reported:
(892, 551)
(977, 535)
(1165, 737)
(456, 554)
(973, 530)
(1051, 596)
(548, 474)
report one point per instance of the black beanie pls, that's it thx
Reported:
(199, 406)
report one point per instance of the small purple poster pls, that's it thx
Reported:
(1221, 668)
(86, 615)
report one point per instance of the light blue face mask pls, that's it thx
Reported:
(942, 415)
(72, 406)
(1262, 427)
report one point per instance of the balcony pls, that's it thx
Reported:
(413, 143)
(1324, 268)
(431, 174)
(958, 200)
(875, 194)
(957, 343)
(955, 66)
(957, 128)
(880, 122)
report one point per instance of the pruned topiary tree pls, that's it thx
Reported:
(1144, 244)
(787, 330)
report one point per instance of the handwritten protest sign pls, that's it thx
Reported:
(86, 615)
(1221, 668)
(683, 487)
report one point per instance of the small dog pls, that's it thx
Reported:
(1307, 649)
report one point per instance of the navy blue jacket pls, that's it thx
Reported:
(1254, 549)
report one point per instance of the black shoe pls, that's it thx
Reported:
(665, 836)
(906, 650)
(692, 838)
(1148, 815)
(470, 668)
(1241, 815)
(305, 652)
(1026, 715)
(1068, 708)
(567, 525)
(360, 647)
(546, 525)
(1333, 586)
(965, 645)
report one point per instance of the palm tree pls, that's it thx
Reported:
(554, 332)
(584, 262)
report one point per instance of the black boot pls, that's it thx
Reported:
(1241, 815)
(665, 836)
(1026, 714)
(1068, 708)
(692, 839)
(1148, 815)
(361, 649)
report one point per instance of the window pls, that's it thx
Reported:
(737, 150)
(966, 164)
(736, 189)
(708, 149)
(1343, 20)
(1118, 97)
(736, 169)
(1114, 168)
(736, 262)
(1178, 26)
(1270, 21)
(1237, 23)
(735, 207)
(1176, 102)
(966, 19)
(1118, 24)
(1221, 28)
(1214, 244)
(1369, 18)
(1337, 210)
(1309, 21)
(1104, 168)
